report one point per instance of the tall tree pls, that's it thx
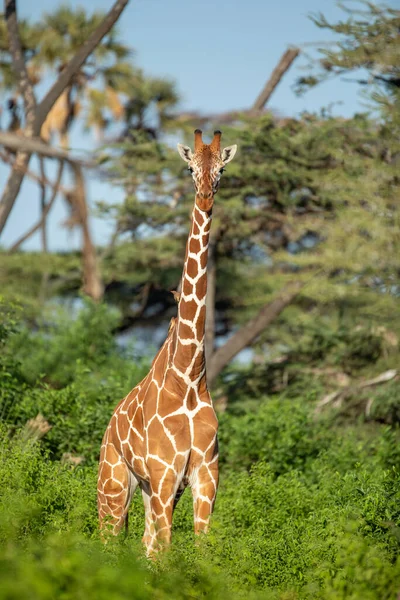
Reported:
(367, 41)
(20, 74)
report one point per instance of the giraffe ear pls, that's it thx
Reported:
(185, 152)
(228, 153)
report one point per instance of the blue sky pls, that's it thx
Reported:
(219, 53)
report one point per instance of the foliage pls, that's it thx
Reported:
(322, 527)
(72, 373)
(308, 504)
(368, 40)
(108, 84)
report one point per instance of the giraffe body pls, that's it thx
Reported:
(162, 436)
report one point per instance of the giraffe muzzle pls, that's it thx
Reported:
(205, 201)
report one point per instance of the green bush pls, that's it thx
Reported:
(69, 370)
(307, 508)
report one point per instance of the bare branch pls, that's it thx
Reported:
(45, 212)
(250, 331)
(35, 145)
(284, 64)
(336, 398)
(39, 180)
(78, 60)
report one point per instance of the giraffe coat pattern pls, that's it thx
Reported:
(162, 436)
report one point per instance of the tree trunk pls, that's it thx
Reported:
(39, 224)
(43, 211)
(250, 331)
(92, 284)
(284, 64)
(12, 187)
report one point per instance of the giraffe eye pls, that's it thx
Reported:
(221, 170)
(190, 169)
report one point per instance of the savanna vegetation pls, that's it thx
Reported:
(304, 276)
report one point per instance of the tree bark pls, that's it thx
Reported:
(43, 211)
(92, 283)
(284, 64)
(250, 331)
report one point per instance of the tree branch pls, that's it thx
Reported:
(78, 60)
(39, 180)
(35, 145)
(250, 331)
(45, 211)
(283, 65)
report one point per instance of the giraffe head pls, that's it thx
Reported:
(206, 165)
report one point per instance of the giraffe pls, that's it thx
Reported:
(162, 436)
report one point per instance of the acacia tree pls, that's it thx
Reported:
(367, 40)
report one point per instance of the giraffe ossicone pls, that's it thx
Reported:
(162, 436)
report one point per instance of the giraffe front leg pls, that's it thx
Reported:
(116, 485)
(159, 506)
(204, 490)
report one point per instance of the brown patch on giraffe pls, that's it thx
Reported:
(106, 470)
(127, 453)
(196, 229)
(199, 217)
(134, 412)
(122, 427)
(187, 288)
(157, 506)
(194, 246)
(150, 398)
(200, 324)
(179, 428)
(169, 402)
(207, 227)
(205, 427)
(160, 443)
(201, 287)
(187, 309)
(185, 350)
(185, 332)
(192, 267)
(203, 259)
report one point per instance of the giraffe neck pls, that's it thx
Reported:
(188, 357)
